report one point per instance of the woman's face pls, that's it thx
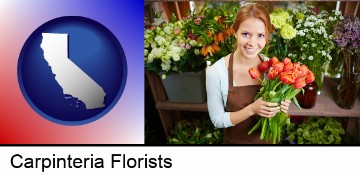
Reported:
(251, 37)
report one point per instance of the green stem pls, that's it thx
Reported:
(257, 125)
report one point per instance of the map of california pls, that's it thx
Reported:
(70, 77)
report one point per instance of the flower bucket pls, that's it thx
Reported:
(187, 87)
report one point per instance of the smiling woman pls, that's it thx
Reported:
(230, 90)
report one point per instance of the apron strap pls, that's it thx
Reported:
(230, 71)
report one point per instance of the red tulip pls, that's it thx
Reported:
(273, 60)
(303, 69)
(310, 77)
(297, 72)
(254, 73)
(287, 77)
(288, 67)
(272, 74)
(286, 60)
(264, 66)
(279, 66)
(296, 65)
(299, 83)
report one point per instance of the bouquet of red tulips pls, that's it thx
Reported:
(284, 81)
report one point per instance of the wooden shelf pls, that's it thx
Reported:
(182, 106)
(325, 104)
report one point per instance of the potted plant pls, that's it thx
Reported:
(195, 131)
(178, 52)
(347, 37)
(315, 130)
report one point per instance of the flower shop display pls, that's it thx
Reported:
(313, 41)
(347, 37)
(179, 50)
(195, 131)
(211, 28)
(283, 33)
(315, 130)
(305, 36)
(164, 47)
(283, 82)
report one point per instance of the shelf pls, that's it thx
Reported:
(325, 104)
(182, 106)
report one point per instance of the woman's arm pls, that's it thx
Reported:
(216, 106)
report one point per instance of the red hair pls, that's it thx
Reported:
(255, 11)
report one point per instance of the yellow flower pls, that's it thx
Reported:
(279, 17)
(299, 16)
(287, 31)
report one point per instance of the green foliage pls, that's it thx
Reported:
(185, 45)
(195, 131)
(315, 130)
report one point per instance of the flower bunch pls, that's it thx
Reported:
(163, 47)
(185, 45)
(313, 43)
(347, 37)
(346, 34)
(284, 31)
(283, 82)
(211, 28)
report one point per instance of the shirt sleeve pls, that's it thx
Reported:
(216, 106)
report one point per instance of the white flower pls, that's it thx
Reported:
(160, 40)
(168, 30)
(329, 57)
(150, 58)
(165, 65)
(323, 53)
(311, 57)
(193, 43)
(196, 51)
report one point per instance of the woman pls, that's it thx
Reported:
(230, 89)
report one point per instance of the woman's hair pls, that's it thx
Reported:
(255, 11)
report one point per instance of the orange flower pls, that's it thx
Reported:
(287, 77)
(229, 31)
(221, 37)
(303, 69)
(254, 73)
(310, 77)
(279, 66)
(272, 74)
(264, 66)
(296, 65)
(288, 67)
(273, 60)
(210, 49)
(286, 60)
(299, 83)
(297, 72)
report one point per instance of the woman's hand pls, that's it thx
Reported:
(266, 109)
(285, 105)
